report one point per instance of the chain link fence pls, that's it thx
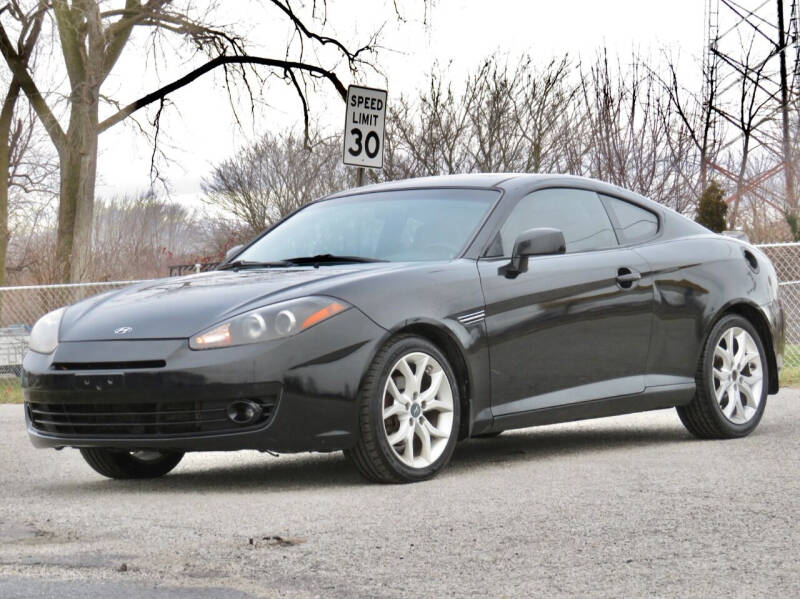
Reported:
(21, 307)
(786, 259)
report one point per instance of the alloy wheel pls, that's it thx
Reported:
(417, 409)
(737, 375)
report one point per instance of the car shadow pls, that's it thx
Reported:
(334, 471)
(268, 474)
(547, 443)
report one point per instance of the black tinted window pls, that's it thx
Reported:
(633, 223)
(577, 213)
(416, 225)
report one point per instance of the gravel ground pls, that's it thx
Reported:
(627, 506)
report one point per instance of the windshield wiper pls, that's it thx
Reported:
(299, 261)
(331, 259)
(253, 264)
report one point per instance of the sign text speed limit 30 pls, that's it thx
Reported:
(364, 126)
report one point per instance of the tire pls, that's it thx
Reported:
(128, 465)
(720, 378)
(388, 418)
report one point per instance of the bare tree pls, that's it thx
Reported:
(219, 233)
(425, 134)
(697, 114)
(749, 115)
(760, 92)
(545, 114)
(505, 119)
(633, 124)
(92, 38)
(29, 245)
(135, 237)
(762, 211)
(273, 177)
(139, 237)
(633, 138)
(16, 128)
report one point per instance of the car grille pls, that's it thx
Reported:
(142, 364)
(141, 419)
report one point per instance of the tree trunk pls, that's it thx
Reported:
(78, 167)
(6, 117)
(703, 169)
(740, 180)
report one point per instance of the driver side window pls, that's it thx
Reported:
(577, 213)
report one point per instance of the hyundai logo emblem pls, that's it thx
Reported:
(123, 330)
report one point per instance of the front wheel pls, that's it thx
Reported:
(409, 413)
(131, 464)
(732, 382)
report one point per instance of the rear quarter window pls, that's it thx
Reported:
(632, 223)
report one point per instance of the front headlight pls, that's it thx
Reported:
(44, 336)
(270, 322)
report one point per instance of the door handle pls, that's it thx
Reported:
(626, 277)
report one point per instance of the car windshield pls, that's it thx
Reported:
(411, 225)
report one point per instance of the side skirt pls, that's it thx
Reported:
(652, 398)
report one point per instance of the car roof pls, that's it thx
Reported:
(524, 183)
(483, 180)
(486, 180)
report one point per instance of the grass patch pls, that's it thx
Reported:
(790, 376)
(11, 392)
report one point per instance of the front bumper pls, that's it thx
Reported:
(94, 394)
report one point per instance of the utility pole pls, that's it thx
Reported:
(710, 88)
(788, 166)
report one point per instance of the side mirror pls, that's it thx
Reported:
(533, 242)
(233, 251)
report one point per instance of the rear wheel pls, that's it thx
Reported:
(131, 464)
(732, 382)
(409, 413)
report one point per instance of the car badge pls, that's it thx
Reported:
(123, 330)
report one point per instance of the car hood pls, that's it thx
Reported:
(182, 306)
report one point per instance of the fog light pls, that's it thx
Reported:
(244, 412)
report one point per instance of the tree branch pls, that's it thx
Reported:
(68, 33)
(211, 65)
(322, 39)
(117, 35)
(299, 90)
(20, 72)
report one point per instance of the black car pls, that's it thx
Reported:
(394, 320)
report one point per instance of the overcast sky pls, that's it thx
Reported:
(200, 130)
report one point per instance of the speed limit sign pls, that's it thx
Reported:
(364, 123)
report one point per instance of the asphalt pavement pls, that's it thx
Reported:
(629, 506)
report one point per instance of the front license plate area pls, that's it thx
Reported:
(99, 382)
